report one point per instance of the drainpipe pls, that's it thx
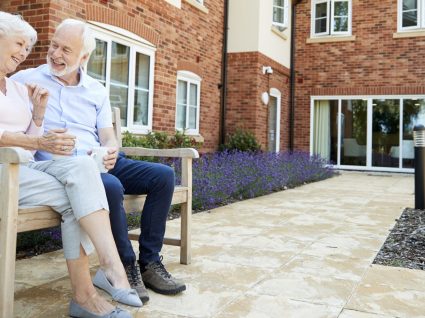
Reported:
(223, 85)
(292, 78)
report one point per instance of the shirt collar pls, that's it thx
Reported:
(83, 76)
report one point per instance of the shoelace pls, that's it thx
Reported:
(160, 268)
(133, 274)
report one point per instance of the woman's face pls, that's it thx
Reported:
(13, 51)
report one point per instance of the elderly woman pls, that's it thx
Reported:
(71, 186)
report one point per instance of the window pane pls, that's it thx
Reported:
(353, 132)
(340, 24)
(119, 98)
(96, 66)
(325, 130)
(193, 97)
(119, 63)
(321, 25)
(321, 10)
(192, 118)
(413, 114)
(142, 70)
(181, 116)
(141, 100)
(385, 132)
(410, 18)
(279, 3)
(410, 5)
(182, 92)
(278, 15)
(341, 8)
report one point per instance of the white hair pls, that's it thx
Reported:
(89, 42)
(14, 24)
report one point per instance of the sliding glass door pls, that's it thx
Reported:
(366, 133)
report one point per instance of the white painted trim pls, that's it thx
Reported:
(278, 95)
(190, 78)
(421, 18)
(330, 19)
(109, 36)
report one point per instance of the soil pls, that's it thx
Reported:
(405, 245)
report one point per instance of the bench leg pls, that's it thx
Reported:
(185, 233)
(9, 184)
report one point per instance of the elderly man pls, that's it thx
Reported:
(80, 104)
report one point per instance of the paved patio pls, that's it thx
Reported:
(303, 253)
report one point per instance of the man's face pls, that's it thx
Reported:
(65, 52)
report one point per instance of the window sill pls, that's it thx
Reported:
(197, 138)
(408, 34)
(328, 39)
(176, 3)
(197, 5)
(279, 33)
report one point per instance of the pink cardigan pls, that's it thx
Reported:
(16, 110)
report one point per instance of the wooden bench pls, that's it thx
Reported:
(14, 220)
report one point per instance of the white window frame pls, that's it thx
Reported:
(190, 78)
(330, 5)
(421, 17)
(274, 92)
(285, 8)
(136, 45)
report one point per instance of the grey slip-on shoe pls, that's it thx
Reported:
(77, 311)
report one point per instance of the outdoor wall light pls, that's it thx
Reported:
(267, 70)
(265, 98)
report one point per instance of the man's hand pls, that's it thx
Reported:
(111, 158)
(56, 141)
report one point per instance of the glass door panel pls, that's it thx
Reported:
(413, 114)
(325, 131)
(353, 132)
(385, 132)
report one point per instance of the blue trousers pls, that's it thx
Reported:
(139, 177)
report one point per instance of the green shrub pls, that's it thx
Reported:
(241, 140)
(160, 140)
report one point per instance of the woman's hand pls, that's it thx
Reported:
(56, 141)
(39, 97)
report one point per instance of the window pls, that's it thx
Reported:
(200, 1)
(331, 17)
(125, 67)
(280, 14)
(188, 102)
(411, 15)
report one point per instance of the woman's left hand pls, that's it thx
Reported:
(39, 97)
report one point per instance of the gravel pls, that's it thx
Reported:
(405, 245)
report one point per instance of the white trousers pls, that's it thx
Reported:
(73, 188)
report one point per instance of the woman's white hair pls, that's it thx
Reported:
(89, 42)
(14, 24)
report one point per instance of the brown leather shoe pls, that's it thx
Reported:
(135, 280)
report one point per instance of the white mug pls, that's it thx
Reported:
(97, 154)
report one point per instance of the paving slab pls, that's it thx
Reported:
(303, 253)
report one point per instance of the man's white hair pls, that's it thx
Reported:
(89, 42)
(14, 24)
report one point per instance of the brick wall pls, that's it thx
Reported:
(186, 39)
(246, 82)
(374, 63)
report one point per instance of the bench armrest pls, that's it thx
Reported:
(14, 155)
(148, 152)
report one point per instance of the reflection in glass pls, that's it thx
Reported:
(119, 98)
(141, 90)
(96, 66)
(181, 104)
(410, 13)
(193, 102)
(119, 79)
(353, 132)
(321, 17)
(385, 131)
(413, 114)
(141, 101)
(325, 129)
